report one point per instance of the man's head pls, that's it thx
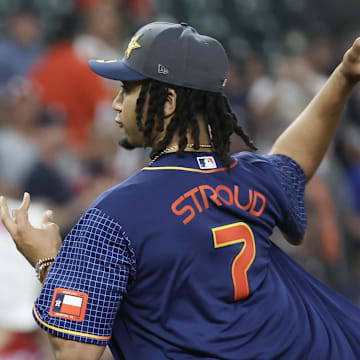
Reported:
(173, 80)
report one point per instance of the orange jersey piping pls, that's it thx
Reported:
(69, 331)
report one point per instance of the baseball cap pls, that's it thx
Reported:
(172, 53)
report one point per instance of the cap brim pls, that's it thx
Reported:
(115, 70)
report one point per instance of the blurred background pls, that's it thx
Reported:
(58, 140)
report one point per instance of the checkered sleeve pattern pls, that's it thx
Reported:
(96, 259)
(292, 179)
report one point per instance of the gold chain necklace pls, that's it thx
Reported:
(176, 147)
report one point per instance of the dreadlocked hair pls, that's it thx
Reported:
(214, 107)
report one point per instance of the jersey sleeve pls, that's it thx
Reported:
(292, 181)
(87, 282)
(285, 182)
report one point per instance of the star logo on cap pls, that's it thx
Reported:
(133, 44)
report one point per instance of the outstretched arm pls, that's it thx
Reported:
(308, 137)
(35, 244)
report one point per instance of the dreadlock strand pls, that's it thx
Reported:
(140, 102)
(163, 94)
(239, 130)
(220, 137)
(192, 113)
(152, 112)
(182, 131)
(170, 131)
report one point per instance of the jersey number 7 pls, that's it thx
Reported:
(234, 234)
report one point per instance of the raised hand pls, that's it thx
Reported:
(32, 242)
(350, 65)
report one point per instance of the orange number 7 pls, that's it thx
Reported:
(235, 234)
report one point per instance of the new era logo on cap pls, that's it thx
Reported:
(206, 162)
(162, 70)
(68, 304)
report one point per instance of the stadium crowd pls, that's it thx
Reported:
(59, 143)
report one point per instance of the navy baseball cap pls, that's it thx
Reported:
(172, 53)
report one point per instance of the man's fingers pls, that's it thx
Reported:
(356, 46)
(26, 202)
(5, 216)
(47, 218)
(21, 214)
(48, 222)
(353, 54)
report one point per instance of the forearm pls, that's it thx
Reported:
(308, 137)
(67, 349)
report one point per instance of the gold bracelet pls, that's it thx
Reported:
(41, 265)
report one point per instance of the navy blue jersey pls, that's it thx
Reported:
(176, 263)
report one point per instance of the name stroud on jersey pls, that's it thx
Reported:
(198, 199)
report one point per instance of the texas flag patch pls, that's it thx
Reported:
(206, 162)
(68, 304)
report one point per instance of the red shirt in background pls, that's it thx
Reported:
(67, 81)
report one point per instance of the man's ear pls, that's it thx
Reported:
(170, 103)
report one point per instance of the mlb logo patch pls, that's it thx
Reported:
(69, 304)
(206, 162)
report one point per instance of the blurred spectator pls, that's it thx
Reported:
(103, 31)
(275, 101)
(18, 154)
(21, 47)
(236, 92)
(126, 163)
(65, 80)
(321, 55)
(144, 9)
(330, 249)
(50, 143)
(30, 144)
(103, 37)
